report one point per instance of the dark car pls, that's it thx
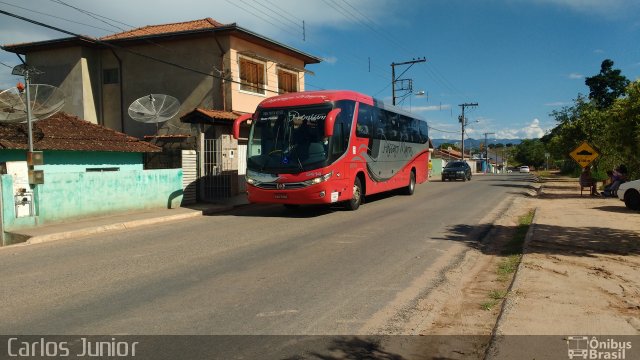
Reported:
(456, 170)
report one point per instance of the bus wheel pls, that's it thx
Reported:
(412, 184)
(356, 199)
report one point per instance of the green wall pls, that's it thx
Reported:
(70, 161)
(66, 196)
(436, 168)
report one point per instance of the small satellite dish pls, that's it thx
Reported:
(45, 100)
(154, 108)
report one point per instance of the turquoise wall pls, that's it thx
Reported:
(436, 167)
(70, 161)
(66, 196)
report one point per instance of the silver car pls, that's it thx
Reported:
(629, 192)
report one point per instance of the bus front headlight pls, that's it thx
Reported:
(256, 178)
(318, 179)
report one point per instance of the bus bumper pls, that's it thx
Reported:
(315, 194)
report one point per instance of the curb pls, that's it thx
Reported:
(26, 239)
(509, 301)
(38, 239)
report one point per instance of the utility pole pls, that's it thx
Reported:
(394, 80)
(486, 150)
(463, 122)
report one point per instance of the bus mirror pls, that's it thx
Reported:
(330, 121)
(237, 122)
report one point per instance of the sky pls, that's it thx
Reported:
(519, 60)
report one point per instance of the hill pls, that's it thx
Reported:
(474, 143)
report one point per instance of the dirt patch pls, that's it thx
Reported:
(580, 270)
(468, 301)
(579, 274)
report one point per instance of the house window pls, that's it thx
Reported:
(110, 76)
(252, 76)
(287, 81)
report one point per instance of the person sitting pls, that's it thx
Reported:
(618, 176)
(586, 180)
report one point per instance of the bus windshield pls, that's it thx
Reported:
(288, 140)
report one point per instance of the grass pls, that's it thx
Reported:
(495, 296)
(512, 253)
(488, 305)
(543, 173)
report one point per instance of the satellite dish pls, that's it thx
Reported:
(154, 108)
(44, 100)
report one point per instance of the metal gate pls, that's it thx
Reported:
(218, 173)
(189, 176)
(242, 167)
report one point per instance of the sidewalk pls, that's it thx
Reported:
(125, 220)
(579, 274)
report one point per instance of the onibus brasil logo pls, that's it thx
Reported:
(584, 347)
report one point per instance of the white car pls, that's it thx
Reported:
(629, 192)
(524, 169)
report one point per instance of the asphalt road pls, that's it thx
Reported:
(256, 270)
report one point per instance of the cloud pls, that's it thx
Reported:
(430, 108)
(558, 103)
(330, 60)
(575, 76)
(533, 131)
(610, 8)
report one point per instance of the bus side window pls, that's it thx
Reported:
(337, 145)
(363, 125)
(424, 132)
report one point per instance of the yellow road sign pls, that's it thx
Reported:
(584, 154)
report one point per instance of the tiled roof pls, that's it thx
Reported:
(65, 132)
(200, 115)
(149, 30)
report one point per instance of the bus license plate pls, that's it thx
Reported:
(280, 196)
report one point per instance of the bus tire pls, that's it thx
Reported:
(409, 190)
(356, 197)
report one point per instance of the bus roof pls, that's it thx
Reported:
(320, 96)
(314, 97)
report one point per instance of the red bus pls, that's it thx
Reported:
(324, 147)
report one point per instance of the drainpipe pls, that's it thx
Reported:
(121, 91)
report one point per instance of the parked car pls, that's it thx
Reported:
(629, 192)
(456, 170)
(524, 169)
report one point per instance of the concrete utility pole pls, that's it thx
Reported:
(463, 122)
(394, 80)
(486, 150)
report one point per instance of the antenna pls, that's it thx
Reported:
(44, 101)
(154, 109)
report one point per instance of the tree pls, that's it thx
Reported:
(607, 86)
(530, 152)
(445, 146)
(622, 135)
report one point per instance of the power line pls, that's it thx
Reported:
(444, 131)
(9, 66)
(432, 73)
(279, 14)
(100, 42)
(53, 16)
(93, 15)
(235, 3)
